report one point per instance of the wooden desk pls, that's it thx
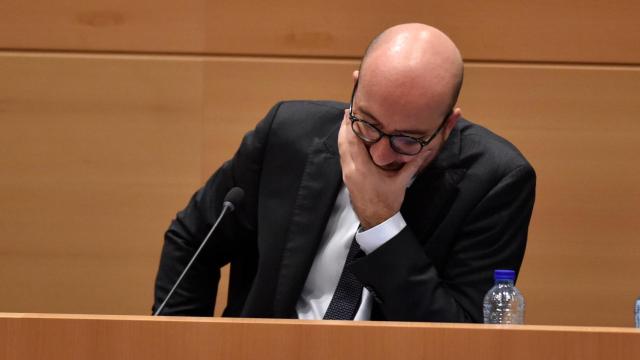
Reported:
(94, 337)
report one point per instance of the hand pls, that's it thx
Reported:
(376, 194)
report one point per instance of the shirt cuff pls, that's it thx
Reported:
(371, 239)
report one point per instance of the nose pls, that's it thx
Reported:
(383, 155)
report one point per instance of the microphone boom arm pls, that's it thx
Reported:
(226, 206)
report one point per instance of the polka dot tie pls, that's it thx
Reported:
(346, 299)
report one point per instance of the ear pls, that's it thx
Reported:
(355, 75)
(451, 122)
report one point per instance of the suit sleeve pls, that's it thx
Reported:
(197, 292)
(405, 282)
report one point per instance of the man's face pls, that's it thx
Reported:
(400, 112)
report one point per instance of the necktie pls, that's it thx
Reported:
(346, 299)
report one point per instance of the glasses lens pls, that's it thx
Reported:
(365, 131)
(405, 145)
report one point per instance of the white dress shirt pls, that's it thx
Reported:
(327, 266)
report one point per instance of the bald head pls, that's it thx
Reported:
(415, 62)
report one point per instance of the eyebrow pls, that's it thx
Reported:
(412, 132)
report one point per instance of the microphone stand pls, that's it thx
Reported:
(226, 206)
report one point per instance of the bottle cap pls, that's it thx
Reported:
(504, 275)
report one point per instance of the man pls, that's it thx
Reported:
(394, 198)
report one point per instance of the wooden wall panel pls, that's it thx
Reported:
(570, 31)
(99, 152)
(106, 25)
(576, 126)
(239, 93)
(96, 155)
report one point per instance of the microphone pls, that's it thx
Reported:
(233, 198)
(231, 201)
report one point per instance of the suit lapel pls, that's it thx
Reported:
(316, 195)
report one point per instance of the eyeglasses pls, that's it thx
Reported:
(402, 144)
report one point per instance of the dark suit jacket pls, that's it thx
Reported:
(467, 214)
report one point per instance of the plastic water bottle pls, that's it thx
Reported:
(637, 311)
(503, 303)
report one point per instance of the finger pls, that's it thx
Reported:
(351, 137)
(351, 145)
(359, 151)
(345, 146)
(343, 135)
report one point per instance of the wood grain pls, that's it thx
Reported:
(32, 336)
(543, 31)
(239, 92)
(97, 154)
